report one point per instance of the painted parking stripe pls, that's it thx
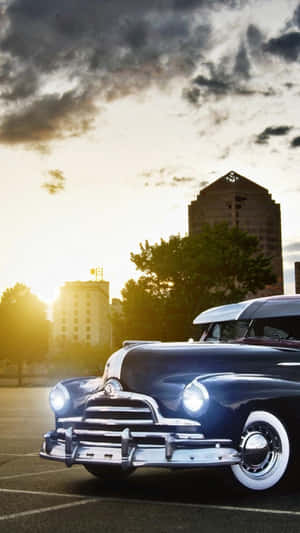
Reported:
(214, 507)
(283, 512)
(43, 493)
(28, 474)
(46, 509)
(32, 454)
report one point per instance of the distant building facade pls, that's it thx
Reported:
(241, 202)
(297, 277)
(81, 314)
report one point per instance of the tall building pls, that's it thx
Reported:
(241, 202)
(297, 277)
(81, 314)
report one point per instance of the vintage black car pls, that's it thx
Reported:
(188, 405)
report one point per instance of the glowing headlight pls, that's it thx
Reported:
(112, 387)
(195, 397)
(59, 398)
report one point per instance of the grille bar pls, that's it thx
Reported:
(118, 409)
(118, 421)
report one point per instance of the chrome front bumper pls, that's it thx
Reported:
(180, 442)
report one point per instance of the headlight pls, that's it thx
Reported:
(59, 398)
(112, 387)
(195, 398)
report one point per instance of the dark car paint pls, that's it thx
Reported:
(239, 379)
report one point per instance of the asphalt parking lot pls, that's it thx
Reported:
(45, 496)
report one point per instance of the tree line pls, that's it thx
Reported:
(181, 277)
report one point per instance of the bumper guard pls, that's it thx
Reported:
(179, 450)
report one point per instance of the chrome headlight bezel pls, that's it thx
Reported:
(195, 398)
(59, 399)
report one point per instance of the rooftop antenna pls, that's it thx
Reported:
(97, 273)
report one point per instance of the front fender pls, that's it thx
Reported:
(234, 396)
(80, 389)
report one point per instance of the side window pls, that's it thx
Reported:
(277, 328)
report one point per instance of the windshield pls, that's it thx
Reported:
(226, 331)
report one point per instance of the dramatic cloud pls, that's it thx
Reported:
(295, 143)
(296, 17)
(286, 46)
(178, 181)
(60, 58)
(48, 117)
(56, 183)
(88, 50)
(164, 177)
(265, 135)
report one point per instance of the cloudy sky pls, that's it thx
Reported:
(114, 114)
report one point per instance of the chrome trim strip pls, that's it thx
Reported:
(145, 434)
(113, 409)
(117, 421)
(71, 419)
(288, 363)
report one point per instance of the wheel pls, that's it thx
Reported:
(109, 473)
(265, 452)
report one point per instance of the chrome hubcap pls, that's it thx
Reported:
(260, 449)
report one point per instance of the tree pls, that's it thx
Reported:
(183, 276)
(23, 327)
(79, 358)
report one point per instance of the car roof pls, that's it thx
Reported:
(267, 307)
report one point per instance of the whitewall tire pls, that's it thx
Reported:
(265, 451)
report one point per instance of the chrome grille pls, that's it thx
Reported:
(105, 418)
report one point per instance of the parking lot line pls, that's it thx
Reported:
(127, 501)
(32, 454)
(22, 514)
(43, 493)
(27, 474)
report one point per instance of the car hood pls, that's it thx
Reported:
(163, 370)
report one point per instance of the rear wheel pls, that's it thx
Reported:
(265, 452)
(108, 473)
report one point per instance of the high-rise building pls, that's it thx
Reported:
(81, 314)
(241, 202)
(297, 277)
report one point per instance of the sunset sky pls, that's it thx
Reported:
(138, 104)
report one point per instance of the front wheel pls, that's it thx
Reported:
(109, 473)
(265, 452)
